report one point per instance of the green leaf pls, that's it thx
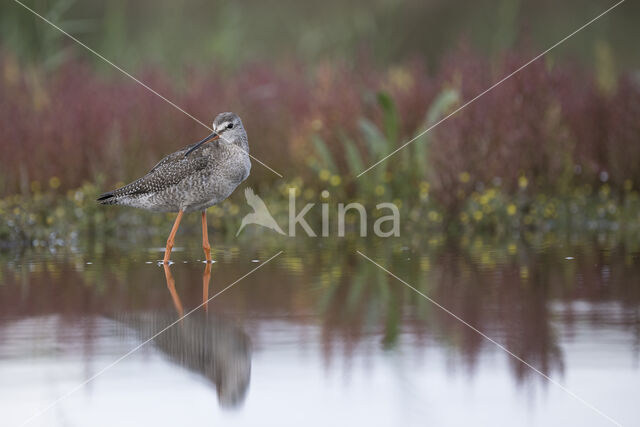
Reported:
(445, 100)
(390, 117)
(356, 165)
(323, 153)
(374, 139)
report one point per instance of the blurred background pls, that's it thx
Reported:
(227, 35)
(520, 214)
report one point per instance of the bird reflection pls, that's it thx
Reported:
(206, 343)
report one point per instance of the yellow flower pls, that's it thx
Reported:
(309, 193)
(325, 174)
(512, 248)
(379, 190)
(54, 182)
(549, 211)
(316, 124)
(400, 78)
(433, 216)
(477, 215)
(464, 177)
(523, 182)
(511, 209)
(335, 180)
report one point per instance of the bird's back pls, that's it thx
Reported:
(183, 182)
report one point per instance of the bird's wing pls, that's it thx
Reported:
(168, 172)
(174, 156)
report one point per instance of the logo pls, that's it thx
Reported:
(384, 225)
(260, 215)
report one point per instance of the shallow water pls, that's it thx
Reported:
(320, 336)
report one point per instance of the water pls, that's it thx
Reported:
(320, 336)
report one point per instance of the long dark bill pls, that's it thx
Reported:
(211, 137)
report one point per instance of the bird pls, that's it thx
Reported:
(208, 344)
(260, 215)
(192, 179)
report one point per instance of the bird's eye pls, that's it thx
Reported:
(230, 126)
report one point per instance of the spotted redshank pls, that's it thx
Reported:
(192, 179)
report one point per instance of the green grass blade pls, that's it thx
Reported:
(323, 153)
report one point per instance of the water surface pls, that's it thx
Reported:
(320, 336)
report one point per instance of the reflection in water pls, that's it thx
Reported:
(203, 342)
(509, 301)
(339, 329)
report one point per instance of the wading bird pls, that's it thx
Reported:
(192, 179)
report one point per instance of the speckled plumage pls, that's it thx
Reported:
(192, 182)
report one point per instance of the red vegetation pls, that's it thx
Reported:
(550, 124)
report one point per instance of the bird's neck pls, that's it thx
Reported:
(243, 142)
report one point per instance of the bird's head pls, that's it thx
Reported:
(227, 128)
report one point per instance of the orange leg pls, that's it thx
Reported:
(172, 236)
(206, 278)
(205, 238)
(171, 285)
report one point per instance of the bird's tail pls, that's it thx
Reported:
(108, 198)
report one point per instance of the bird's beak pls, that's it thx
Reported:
(211, 137)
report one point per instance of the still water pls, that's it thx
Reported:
(320, 336)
